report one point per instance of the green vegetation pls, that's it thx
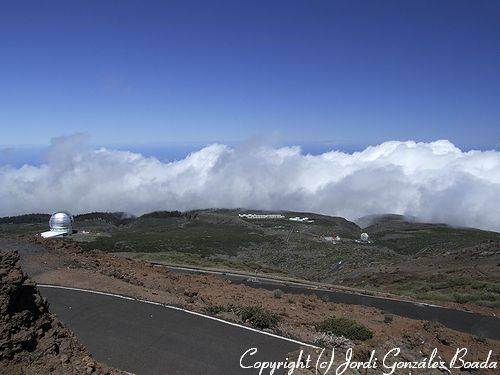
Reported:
(345, 327)
(114, 218)
(25, 219)
(257, 316)
(175, 234)
(460, 290)
(278, 294)
(214, 309)
(162, 214)
(435, 238)
(326, 340)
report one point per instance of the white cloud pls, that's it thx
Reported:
(434, 181)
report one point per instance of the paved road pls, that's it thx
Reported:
(149, 339)
(463, 321)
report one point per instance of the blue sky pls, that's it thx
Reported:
(143, 72)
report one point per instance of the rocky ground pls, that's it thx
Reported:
(32, 340)
(63, 262)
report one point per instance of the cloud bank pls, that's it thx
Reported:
(433, 181)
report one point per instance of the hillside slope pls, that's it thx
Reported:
(421, 260)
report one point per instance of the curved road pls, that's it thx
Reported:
(145, 338)
(460, 320)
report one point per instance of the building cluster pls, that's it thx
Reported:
(261, 216)
(333, 239)
(301, 219)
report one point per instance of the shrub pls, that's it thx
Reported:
(258, 317)
(324, 297)
(345, 327)
(277, 293)
(326, 340)
(214, 309)
(481, 339)
(388, 319)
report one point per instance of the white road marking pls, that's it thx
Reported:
(178, 309)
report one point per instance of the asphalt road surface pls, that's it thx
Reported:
(463, 321)
(146, 339)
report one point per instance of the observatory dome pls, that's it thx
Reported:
(364, 237)
(61, 221)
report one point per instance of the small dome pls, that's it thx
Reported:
(364, 237)
(61, 221)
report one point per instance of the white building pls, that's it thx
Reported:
(301, 219)
(61, 224)
(332, 239)
(261, 216)
(364, 238)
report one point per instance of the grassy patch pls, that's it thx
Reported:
(345, 327)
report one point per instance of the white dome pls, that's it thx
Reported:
(61, 221)
(364, 236)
